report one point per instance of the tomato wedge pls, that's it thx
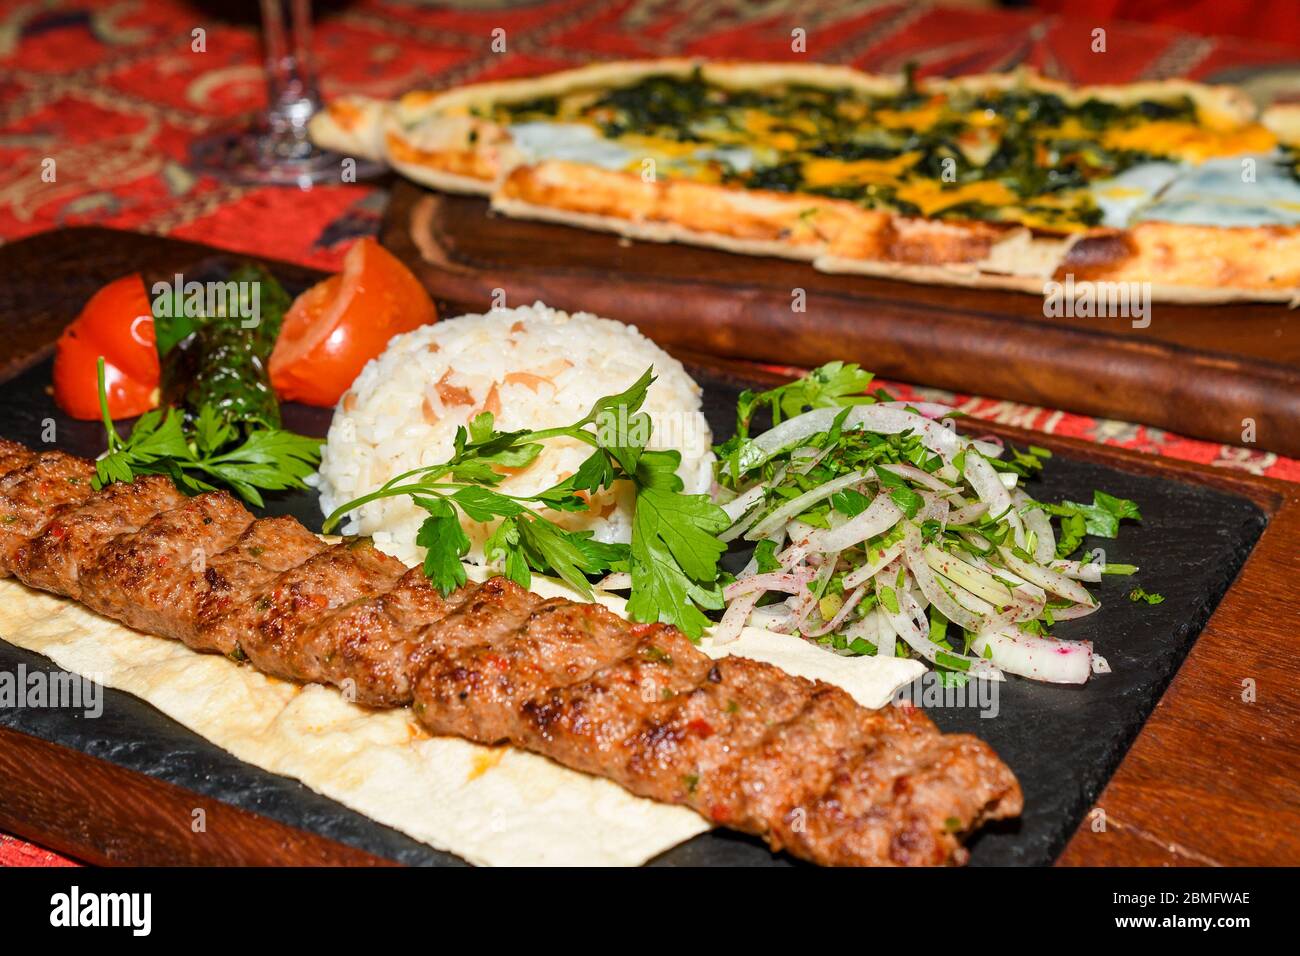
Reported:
(334, 328)
(117, 323)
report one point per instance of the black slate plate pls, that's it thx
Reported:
(1062, 742)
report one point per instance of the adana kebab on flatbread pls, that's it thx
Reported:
(743, 743)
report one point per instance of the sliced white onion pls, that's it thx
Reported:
(792, 555)
(788, 582)
(1027, 599)
(873, 627)
(972, 603)
(739, 505)
(881, 515)
(618, 581)
(986, 598)
(936, 509)
(1046, 578)
(904, 623)
(924, 479)
(811, 461)
(876, 418)
(1028, 605)
(1080, 571)
(930, 586)
(799, 531)
(773, 617)
(993, 493)
(872, 568)
(734, 618)
(802, 503)
(1074, 612)
(968, 513)
(845, 609)
(808, 600)
(963, 574)
(1045, 659)
(1037, 521)
(885, 635)
(741, 526)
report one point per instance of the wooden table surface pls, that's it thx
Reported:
(1214, 776)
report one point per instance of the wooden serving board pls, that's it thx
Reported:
(1209, 777)
(1197, 370)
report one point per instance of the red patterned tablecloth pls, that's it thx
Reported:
(114, 92)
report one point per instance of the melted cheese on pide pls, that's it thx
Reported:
(838, 172)
(932, 196)
(1192, 142)
(722, 148)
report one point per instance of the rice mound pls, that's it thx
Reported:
(533, 367)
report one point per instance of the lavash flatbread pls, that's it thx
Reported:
(490, 806)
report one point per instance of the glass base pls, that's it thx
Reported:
(265, 157)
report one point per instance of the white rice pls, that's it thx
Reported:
(545, 368)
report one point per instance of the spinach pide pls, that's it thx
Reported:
(1021, 154)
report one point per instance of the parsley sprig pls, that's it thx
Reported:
(211, 453)
(1101, 518)
(833, 384)
(673, 557)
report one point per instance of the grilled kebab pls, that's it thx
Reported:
(743, 743)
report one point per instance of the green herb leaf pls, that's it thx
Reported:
(1139, 594)
(836, 383)
(504, 546)
(675, 554)
(850, 502)
(908, 501)
(484, 504)
(445, 544)
(551, 548)
(765, 555)
(887, 597)
(658, 470)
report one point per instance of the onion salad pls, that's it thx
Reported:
(878, 530)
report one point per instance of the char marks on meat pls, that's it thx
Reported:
(746, 745)
(34, 488)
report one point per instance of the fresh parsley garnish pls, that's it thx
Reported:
(675, 551)
(1101, 518)
(673, 556)
(1140, 594)
(210, 454)
(765, 556)
(836, 383)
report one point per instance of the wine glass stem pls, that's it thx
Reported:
(290, 77)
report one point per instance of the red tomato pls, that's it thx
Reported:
(117, 324)
(334, 328)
